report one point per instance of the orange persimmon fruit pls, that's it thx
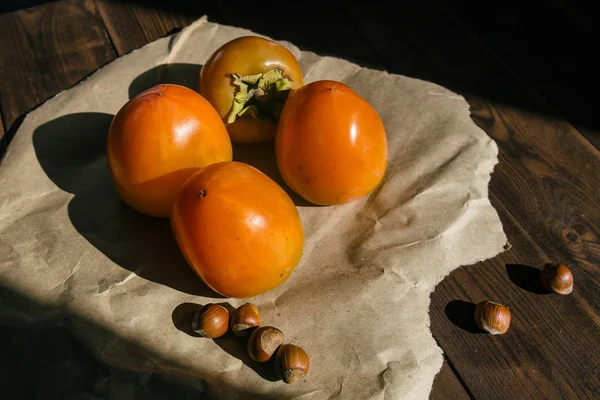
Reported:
(158, 140)
(238, 229)
(247, 81)
(331, 145)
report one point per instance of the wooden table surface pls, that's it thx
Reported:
(530, 80)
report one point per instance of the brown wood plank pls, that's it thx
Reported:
(132, 25)
(551, 186)
(46, 49)
(447, 386)
(551, 349)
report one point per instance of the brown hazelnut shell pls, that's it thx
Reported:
(263, 342)
(291, 363)
(557, 278)
(211, 321)
(244, 319)
(492, 317)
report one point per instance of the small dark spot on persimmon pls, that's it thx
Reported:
(202, 193)
(330, 89)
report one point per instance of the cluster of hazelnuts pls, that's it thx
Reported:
(495, 318)
(213, 321)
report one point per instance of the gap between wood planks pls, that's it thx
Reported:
(106, 31)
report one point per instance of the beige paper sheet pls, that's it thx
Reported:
(358, 302)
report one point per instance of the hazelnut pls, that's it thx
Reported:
(211, 321)
(263, 342)
(291, 363)
(557, 278)
(244, 319)
(492, 317)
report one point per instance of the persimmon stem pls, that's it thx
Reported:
(260, 96)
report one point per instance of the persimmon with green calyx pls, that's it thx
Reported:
(238, 229)
(158, 140)
(331, 145)
(248, 80)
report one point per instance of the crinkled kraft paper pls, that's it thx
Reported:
(357, 302)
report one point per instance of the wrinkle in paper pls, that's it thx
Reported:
(358, 302)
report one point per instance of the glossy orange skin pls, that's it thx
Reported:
(158, 140)
(331, 145)
(239, 231)
(247, 55)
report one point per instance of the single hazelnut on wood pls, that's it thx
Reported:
(263, 342)
(291, 363)
(211, 321)
(244, 319)
(557, 278)
(492, 317)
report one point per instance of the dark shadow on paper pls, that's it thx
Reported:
(262, 157)
(526, 277)
(182, 318)
(44, 354)
(72, 151)
(461, 313)
(236, 347)
(177, 73)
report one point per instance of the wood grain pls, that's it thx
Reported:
(551, 349)
(550, 184)
(46, 49)
(132, 25)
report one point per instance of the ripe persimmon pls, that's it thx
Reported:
(238, 229)
(247, 81)
(331, 145)
(157, 140)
